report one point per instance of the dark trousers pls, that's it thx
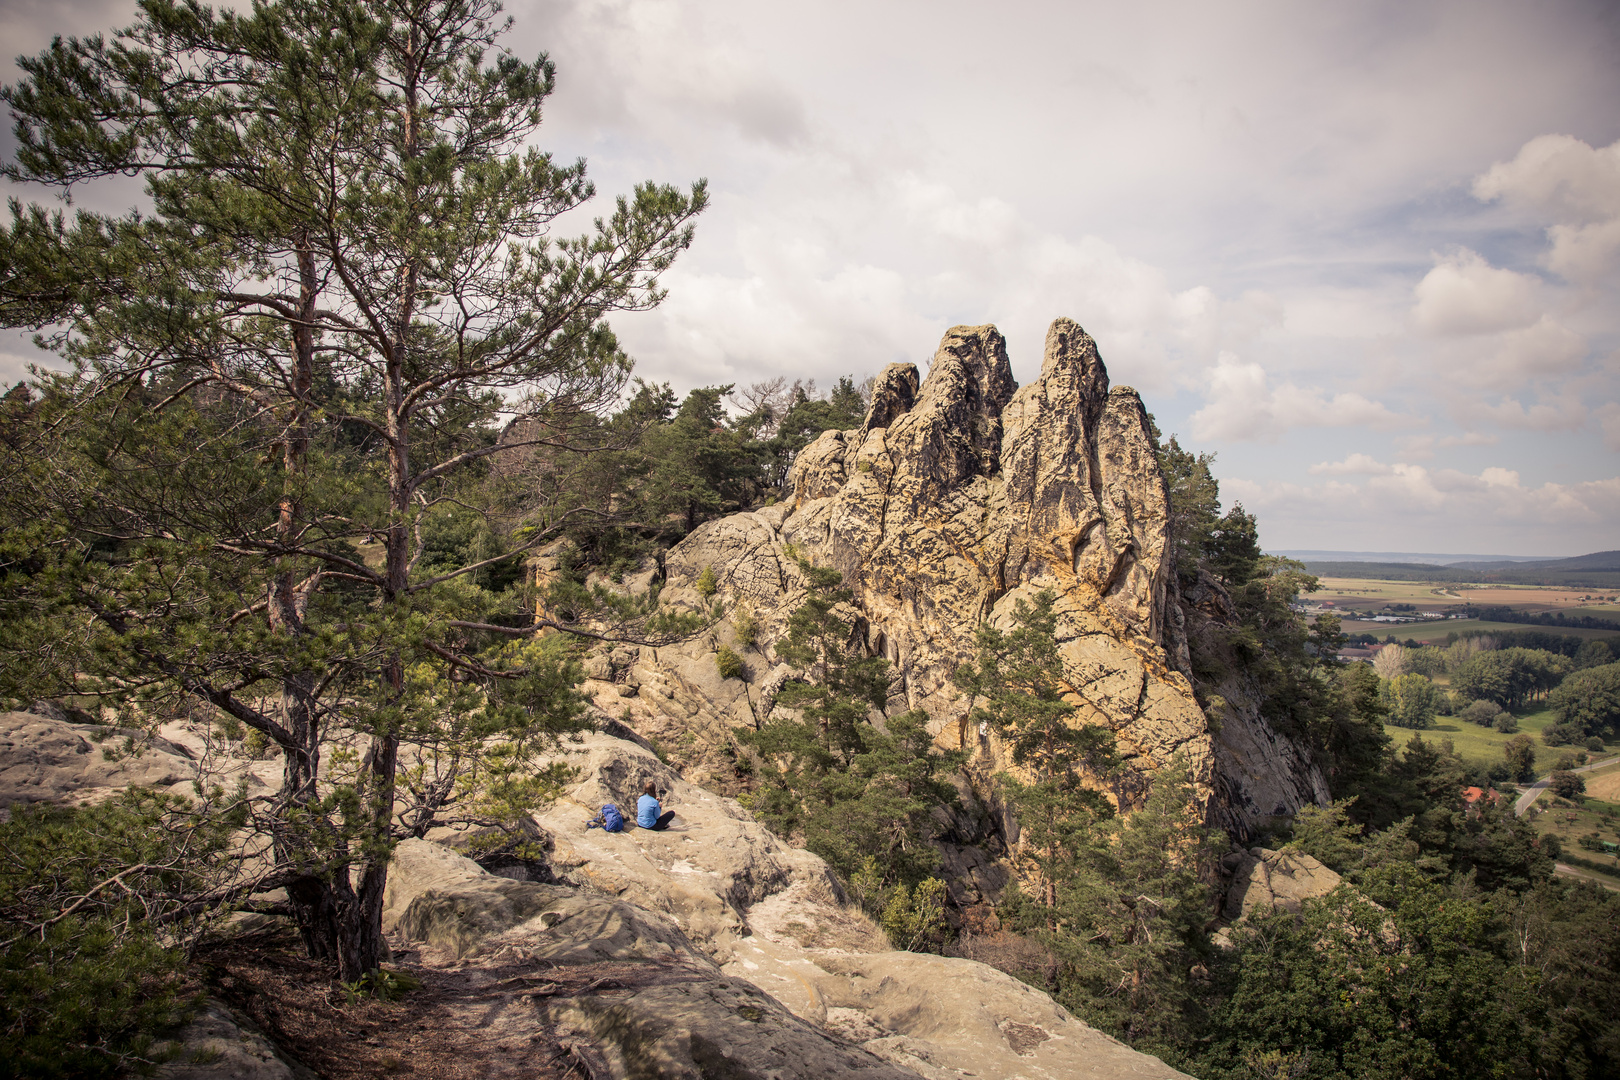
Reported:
(663, 821)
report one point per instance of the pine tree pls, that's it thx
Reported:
(857, 788)
(346, 275)
(1019, 690)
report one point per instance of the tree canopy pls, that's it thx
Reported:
(284, 379)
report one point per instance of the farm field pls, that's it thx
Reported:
(1438, 596)
(1604, 784)
(1570, 821)
(1435, 632)
(1483, 746)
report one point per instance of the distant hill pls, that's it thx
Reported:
(1393, 571)
(1596, 561)
(1427, 558)
(1599, 570)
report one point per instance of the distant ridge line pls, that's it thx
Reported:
(1600, 569)
(1427, 558)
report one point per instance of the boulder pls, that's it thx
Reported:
(221, 1044)
(441, 899)
(49, 760)
(700, 1028)
(1264, 881)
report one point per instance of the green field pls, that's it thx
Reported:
(1483, 746)
(1361, 592)
(1569, 821)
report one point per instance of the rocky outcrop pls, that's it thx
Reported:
(1264, 881)
(650, 1004)
(1258, 773)
(46, 759)
(714, 942)
(960, 496)
(220, 1044)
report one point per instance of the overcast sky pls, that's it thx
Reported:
(1367, 253)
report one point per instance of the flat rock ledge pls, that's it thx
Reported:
(714, 949)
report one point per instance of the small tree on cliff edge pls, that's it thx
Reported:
(1019, 690)
(346, 276)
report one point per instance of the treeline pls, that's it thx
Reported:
(1502, 613)
(1562, 644)
(640, 478)
(1574, 578)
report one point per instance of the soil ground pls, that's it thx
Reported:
(431, 1033)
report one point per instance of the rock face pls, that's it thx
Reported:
(43, 759)
(725, 953)
(1264, 881)
(960, 496)
(656, 1007)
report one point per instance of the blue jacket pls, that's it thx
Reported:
(646, 811)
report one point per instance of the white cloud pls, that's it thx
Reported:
(1555, 415)
(834, 282)
(1567, 182)
(1544, 349)
(1422, 447)
(1354, 465)
(1543, 352)
(1464, 294)
(1496, 505)
(1609, 418)
(1243, 407)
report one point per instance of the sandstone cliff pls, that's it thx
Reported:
(959, 495)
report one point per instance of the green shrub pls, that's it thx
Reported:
(382, 984)
(88, 981)
(1562, 735)
(914, 919)
(746, 627)
(1567, 785)
(1506, 723)
(706, 583)
(728, 662)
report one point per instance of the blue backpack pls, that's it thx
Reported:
(612, 820)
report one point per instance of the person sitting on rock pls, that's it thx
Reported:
(647, 815)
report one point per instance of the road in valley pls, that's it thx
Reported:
(1533, 792)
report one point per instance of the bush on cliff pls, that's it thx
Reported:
(854, 787)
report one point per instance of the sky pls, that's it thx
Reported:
(1367, 254)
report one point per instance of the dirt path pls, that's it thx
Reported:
(460, 1025)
